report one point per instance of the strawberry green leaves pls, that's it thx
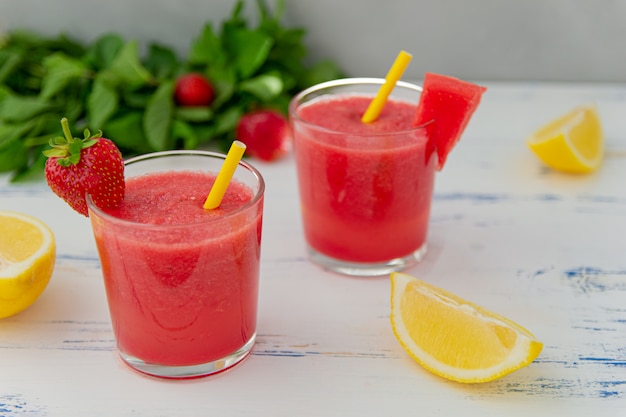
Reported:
(108, 85)
(76, 167)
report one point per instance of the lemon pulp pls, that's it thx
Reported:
(27, 257)
(455, 338)
(572, 143)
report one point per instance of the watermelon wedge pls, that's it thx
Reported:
(448, 103)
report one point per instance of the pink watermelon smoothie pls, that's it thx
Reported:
(365, 189)
(181, 281)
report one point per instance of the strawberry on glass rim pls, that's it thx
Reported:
(92, 165)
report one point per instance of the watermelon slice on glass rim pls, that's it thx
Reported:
(446, 107)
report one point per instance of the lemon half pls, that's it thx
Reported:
(454, 338)
(572, 143)
(27, 256)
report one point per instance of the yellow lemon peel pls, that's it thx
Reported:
(454, 338)
(572, 143)
(27, 257)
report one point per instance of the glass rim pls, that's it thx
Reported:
(160, 154)
(295, 101)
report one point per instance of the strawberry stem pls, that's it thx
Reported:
(67, 149)
(66, 130)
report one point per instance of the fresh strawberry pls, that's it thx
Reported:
(76, 167)
(265, 133)
(193, 89)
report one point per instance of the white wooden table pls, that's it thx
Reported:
(547, 250)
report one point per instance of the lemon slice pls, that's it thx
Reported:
(572, 143)
(454, 338)
(27, 256)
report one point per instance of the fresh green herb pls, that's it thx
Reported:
(106, 85)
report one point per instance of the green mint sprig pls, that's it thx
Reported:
(106, 85)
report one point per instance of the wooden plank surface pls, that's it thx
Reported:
(545, 249)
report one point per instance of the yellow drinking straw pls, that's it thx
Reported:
(394, 74)
(218, 190)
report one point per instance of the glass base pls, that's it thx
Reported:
(190, 371)
(362, 269)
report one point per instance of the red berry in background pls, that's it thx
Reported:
(265, 133)
(193, 89)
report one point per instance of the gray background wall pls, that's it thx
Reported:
(544, 40)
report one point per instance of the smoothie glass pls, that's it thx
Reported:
(183, 298)
(365, 190)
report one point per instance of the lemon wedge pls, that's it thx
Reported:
(27, 256)
(454, 338)
(572, 143)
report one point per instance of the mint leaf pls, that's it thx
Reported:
(321, 71)
(184, 132)
(265, 87)
(127, 132)
(101, 103)
(161, 61)
(74, 109)
(194, 114)
(288, 52)
(204, 133)
(224, 80)
(227, 120)
(61, 70)
(207, 48)
(9, 62)
(104, 50)
(40, 132)
(158, 117)
(9, 133)
(22, 108)
(127, 66)
(111, 78)
(4, 92)
(13, 156)
(250, 49)
(32, 171)
(137, 99)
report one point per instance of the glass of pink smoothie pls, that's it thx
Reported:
(181, 281)
(365, 189)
